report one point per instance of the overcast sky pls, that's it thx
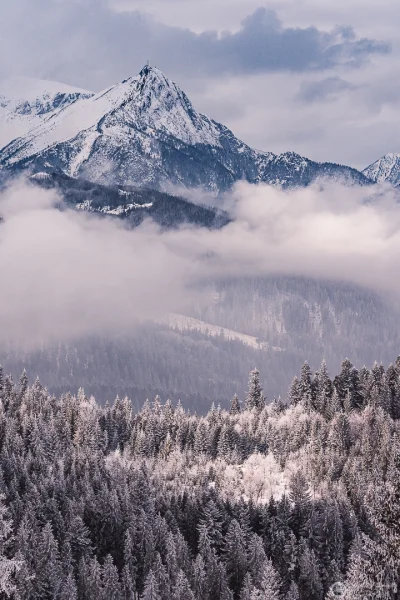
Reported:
(319, 78)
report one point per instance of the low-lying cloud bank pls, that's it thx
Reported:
(65, 274)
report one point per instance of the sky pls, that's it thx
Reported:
(318, 78)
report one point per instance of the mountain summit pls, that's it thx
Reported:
(385, 169)
(145, 132)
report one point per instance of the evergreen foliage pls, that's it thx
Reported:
(296, 501)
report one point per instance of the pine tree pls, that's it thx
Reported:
(306, 388)
(110, 580)
(256, 558)
(181, 589)
(270, 582)
(163, 578)
(254, 396)
(151, 590)
(247, 588)
(90, 584)
(78, 538)
(23, 384)
(9, 567)
(69, 590)
(310, 584)
(300, 496)
(377, 566)
(200, 584)
(235, 406)
(295, 392)
(211, 524)
(201, 439)
(334, 405)
(129, 571)
(235, 556)
(47, 565)
(323, 388)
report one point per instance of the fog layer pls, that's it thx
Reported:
(65, 274)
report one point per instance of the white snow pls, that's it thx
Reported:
(386, 169)
(83, 153)
(107, 210)
(22, 98)
(150, 104)
(40, 177)
(184, 323)
(14, 125)
(29, 89)
(124, 208)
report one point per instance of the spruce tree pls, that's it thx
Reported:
(235, 406)
(181, 589)
(254, 395)
(235, 556)
(111, 588)
(270, 582)
(151, 590)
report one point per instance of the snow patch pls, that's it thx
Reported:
(184, 323)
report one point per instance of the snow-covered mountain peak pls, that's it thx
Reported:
(385, 169)
(154, 85)
(144, 131)
(164, 108)
(123, 119)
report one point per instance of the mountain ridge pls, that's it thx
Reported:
(145, 132)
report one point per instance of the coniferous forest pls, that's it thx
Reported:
(297, 498)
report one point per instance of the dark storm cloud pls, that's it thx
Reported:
(86, 43)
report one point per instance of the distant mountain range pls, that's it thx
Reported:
(142, 132)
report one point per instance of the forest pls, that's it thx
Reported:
(293, 498)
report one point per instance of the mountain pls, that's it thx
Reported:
(130, 204)
(385, 169)
(25, 102)
(145, 132)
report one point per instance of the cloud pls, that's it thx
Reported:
(324, 90)
(67, 274)
(264, 44)
(325, 231)
(86, 43)
(379, 17)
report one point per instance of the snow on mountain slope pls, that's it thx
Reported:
(30, 95)
(149, 104)
(14, 125)
(25, 102)
(122, 209)
(145, 132)
(183, 323)
(385, 169)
